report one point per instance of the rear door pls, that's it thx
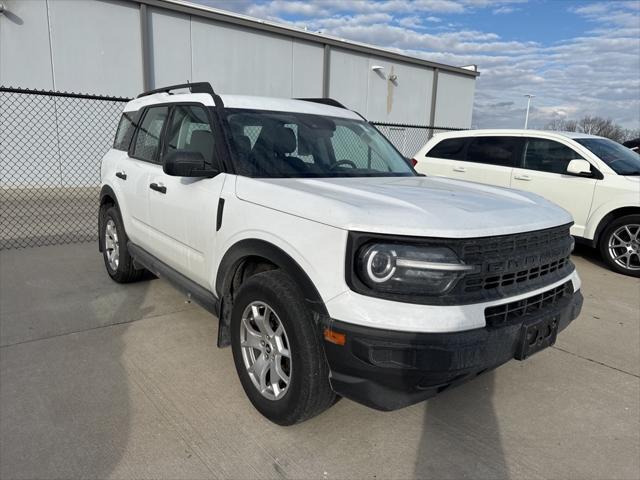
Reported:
(143, 156)
(486, 159)
(182, 211)
(543, 171)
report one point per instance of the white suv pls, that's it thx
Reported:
(333, 267)
(596, 179)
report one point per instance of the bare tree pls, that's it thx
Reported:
(562, 125)
(594, 125)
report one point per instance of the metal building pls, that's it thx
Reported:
(120, 48)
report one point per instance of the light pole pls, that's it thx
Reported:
(526, 118)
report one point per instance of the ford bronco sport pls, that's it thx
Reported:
(333, 267)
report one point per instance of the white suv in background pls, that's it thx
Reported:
(596, 179)
(332, 266)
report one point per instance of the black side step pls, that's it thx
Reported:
(200, 295)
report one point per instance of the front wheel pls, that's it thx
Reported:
(620, 245)
(277, 350)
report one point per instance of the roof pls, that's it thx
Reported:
(514, 131)
(245, 102)
(291, 31)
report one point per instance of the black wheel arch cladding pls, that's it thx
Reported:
(233, 259)
(107, 198)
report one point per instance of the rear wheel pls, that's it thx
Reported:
(620, 245)
(277, 350)
(117, 260)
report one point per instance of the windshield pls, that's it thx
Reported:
(288, 144)
(621, 159)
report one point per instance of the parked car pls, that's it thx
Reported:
(596, 179)
(332, 266)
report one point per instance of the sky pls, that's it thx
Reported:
(577, 57)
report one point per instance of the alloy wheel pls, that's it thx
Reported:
(624, 246)
(111, 244)
(266, 350)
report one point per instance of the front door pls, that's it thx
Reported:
(544, 171)
(182, 211)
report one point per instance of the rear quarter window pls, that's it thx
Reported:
(126, 128)
(452, 149)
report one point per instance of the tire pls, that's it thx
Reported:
(120, 269)
(620, 245)
(308, 391)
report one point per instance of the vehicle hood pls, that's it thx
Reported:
(418, 206)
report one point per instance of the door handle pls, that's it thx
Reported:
(526, 178)
(158, 187)
(459, 169)
(121, 175)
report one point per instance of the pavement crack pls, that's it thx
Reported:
(595, 361)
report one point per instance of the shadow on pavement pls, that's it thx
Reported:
(65, 407)
(589, 254)
(461, 434)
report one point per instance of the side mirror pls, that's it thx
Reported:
(580, 168)
(181, 163)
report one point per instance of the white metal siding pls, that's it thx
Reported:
(170, 47)
(454, 104)
(96, 47)
(25, 59)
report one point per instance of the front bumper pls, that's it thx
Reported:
(387, 370)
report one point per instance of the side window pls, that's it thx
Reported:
(548, 156)
(148, 138)
(190, 130)
(126, 129)
(451, 149)
(501, 151)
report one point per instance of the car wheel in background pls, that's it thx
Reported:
(117, 260)
(620, 245)
(277, 350)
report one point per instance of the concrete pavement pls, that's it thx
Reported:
(100, 380)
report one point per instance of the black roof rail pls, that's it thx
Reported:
(324, 101)
(195, 87)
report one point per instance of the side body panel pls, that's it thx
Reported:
(182, 221)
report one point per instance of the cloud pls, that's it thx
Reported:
(504, 10)
(597, 72)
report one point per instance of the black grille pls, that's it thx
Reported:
(486, 283)
(510, 264)
(508, 244)
(505, 313)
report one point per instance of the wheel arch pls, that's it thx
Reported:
(611, 216)
(107, 198)
(248, 257)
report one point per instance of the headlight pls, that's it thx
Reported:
(409, 269)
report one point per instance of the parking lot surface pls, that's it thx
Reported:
(99, 380)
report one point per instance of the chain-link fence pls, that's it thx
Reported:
(409, 139)
(51, 145)
(50, 153)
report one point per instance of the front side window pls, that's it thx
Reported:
(451, 149)
(291, 144)
(189, 130)
(548, 156)
(126, 129)
(501, 151)
(622, 160)
(148, 138)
